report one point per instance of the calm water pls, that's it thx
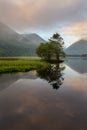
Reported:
(53, 99)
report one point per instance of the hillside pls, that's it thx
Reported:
(6, 33)
(78, 48)
(32, 38)
(14, 44)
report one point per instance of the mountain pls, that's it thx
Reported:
(14, 44)
(6, 32)
(78, 48)
(33, 38)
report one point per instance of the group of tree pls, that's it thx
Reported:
(51, 49)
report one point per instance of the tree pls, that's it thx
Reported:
(44, 51)
(52, 48)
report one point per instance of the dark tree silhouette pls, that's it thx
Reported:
(53, 74)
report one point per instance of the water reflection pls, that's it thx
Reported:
(77, 64)
(7, 80)
(31, 104)
(53, 74)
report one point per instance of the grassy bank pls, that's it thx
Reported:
(20, 65)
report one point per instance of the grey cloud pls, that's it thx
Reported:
(42, 14)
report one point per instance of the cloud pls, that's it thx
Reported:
(41, 14)
(45, 17)
(77, 29)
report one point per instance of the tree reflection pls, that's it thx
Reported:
(53, 74)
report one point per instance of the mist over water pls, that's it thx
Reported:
(51, 98)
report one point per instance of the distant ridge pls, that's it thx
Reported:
(33, 38)
(6, 32)
(78, 48)
(13, 44)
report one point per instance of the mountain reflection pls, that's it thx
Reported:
(77, 64)
(53, 74)
(8, 79)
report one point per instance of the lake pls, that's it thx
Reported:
(52, 98)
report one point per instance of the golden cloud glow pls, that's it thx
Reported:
(45, 16)
(78, 29)
(35, 13)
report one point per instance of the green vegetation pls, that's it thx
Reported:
(20, 65)
(53, 49)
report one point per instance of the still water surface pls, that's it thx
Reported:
(50, 100)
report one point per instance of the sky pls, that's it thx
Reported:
(45, 17)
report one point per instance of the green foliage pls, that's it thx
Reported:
(51, 49)
(44, 51)
(20, 65)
